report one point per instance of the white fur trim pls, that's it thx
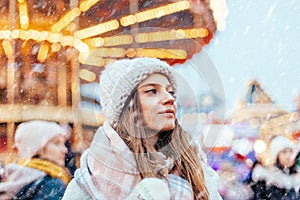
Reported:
(274, 176)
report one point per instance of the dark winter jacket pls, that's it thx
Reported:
(45, 188)
(272, 183)
(44, 180)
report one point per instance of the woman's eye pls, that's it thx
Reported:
(172, 93)
(151, 91)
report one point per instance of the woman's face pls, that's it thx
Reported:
(55, 150)
(157, 103)
(286, 157)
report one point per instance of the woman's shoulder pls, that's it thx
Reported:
(74, 191)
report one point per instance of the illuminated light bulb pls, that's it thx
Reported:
(162, 53)
(43, 52)
(117, 52)
(162, 11)
(21, 1)
(259, 146)
(85, 5)
(118, 40)
(23, 35)
(33, 34)
(180, 34)
(87, 75)
(160, 36)
(109, 52)
(82, 57)
(71, 27)
(95, 42)
(67, 41)
(55, 47)
(55, 37)
(15, 34)
(128, 20)
(108, 61)
(96, 30)
(131, 53)
(92, 60)
(8, 50)
(141, 38)
(65, 20)
(80, 46)
(6, 34)
(24, 21)
(42, 36)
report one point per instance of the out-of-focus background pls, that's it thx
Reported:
(237, 64)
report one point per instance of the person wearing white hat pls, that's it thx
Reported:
(281, 178)
(141, 151)
(40, 172)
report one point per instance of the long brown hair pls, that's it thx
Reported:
(176, 144)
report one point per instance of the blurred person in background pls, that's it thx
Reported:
(141, 151)
(40, 172)
(280, 179)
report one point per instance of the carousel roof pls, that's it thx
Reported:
(111, 29)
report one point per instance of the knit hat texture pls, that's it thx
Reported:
(121, 78)
(32, 136)
(278, 144)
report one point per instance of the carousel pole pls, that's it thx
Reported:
(75, 88)
(11, 81)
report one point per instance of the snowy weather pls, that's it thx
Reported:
(139, 99)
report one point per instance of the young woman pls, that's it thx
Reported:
(281, 179)
(40, 172)
(141, 151)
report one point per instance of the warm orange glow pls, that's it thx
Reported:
(55, 47)
(8, 50)
(95, 42)
(65, 20)
(162, 53)
(67, 41)
(42, 36)
(87, 75)
(171, 35)
(15, 34)
(55, 37)
(33, 34)
(23, 13)
(96, 30)
(108, 52)
(80, 46)
(5, 34)
(43, 52)
(155, 13)
(92, 60)
(87, 4)
(23, 35)
(118, 40)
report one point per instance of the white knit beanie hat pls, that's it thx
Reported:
(121, 77)
(32, 136)
(277, 144)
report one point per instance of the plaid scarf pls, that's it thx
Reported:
(109, 170)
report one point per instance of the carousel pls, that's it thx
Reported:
(51, 50)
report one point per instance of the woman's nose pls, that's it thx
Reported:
(168, 98)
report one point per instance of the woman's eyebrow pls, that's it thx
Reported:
(154, 84)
